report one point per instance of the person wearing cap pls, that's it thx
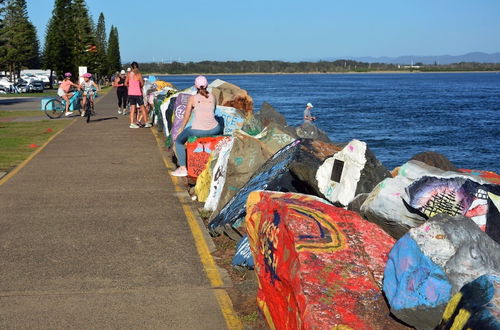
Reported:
(63, 91)
(134, 82)
(88, 89)
(202, 107)
(308, 118)
(121, 91)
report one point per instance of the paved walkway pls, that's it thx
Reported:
(92, 235)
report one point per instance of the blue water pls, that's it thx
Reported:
(397, 115)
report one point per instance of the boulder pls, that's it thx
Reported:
(293, 169)
(399, 203)
(318, 266)
(351, 171)
(489, 176)
(309, 131)
(355, 204)
(431, 263)
(243, 257)
(436, 160)
(178, 113)
(230, 95)
(233, 118)
(198, 150)
(251, 125)
(476, 306)
(267, 114)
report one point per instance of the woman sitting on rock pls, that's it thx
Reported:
(202, 106)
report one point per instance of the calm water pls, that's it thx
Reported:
(398, 115)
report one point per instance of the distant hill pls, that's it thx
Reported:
(441, 59)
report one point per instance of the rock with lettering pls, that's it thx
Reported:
(310, 131)
(435, 159)
(431, 263)
(350, 172)
(267, 114)
(178, 113)
(230, 95)
(420, 191)
(243, 257)
(198, 151)
(233, 118)
(318, 266)
(475, 307)
(291, 169)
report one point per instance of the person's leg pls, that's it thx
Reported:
(180, 150)
(65, 97)
(144, 114)
(120, 99)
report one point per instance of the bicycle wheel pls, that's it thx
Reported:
(88, 110)
(54, 109)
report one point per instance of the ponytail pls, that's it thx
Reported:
(203, 91)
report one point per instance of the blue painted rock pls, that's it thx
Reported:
(431, 263)
(476, 306)
(233, 118)
(243, 256)
(351, 171)
(420, 191)
(318, 266)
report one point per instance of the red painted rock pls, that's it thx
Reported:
(198, 152)
(318, 266)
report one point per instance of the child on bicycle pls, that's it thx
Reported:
(88, 86)
(64, 91)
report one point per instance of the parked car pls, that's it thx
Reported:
(23, 87)
(36, 86)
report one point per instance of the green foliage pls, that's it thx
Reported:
(114, 58)
(83, 35)
(102, 45)
(20, 47)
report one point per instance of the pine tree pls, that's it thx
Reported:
(83, 36)
(20, 42)
(114, 59)
(58, 48)
(101, 43)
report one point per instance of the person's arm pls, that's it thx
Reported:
(141, 80)
(187, 113)
(126, 80)
(116, 82)
(96, 86)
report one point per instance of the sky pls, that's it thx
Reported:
(291, 30)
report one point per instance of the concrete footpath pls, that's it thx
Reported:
(93, 236)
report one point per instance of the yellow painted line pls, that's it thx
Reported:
(208, 262)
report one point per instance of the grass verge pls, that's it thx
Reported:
(19, 139)
(16, 114)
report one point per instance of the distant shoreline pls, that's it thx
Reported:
(310, 73)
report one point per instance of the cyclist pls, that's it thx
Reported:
(88, 86)
(64, 92)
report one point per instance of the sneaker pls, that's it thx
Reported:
(83, 114)
(134, 126)
(138, 123)
(179, 172)
(148, 125)
(69, 113)
(119, 111)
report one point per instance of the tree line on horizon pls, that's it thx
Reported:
(338, 66)
(71, 40)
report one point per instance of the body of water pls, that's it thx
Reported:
(397, 115)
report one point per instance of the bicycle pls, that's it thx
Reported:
(89, 105)
(55, 107)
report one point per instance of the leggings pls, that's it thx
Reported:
(122, 98)
(183, 137)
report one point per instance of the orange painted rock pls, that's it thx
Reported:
(198, 152)
(318, 266)
(487, 175)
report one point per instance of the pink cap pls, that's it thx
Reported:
(200, 81)
(87, 75)
(67, 74)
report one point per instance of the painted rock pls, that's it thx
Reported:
(310, 131)
(489, 176)
(350, 172)
(268, 114)
(420, 191)
(178, 113)
(318, 266)
(431, 263)
(198, 150)
(233, 118)
(230, 95)
(476, 306)
(436, 160)
(243, 256)
(290, 169)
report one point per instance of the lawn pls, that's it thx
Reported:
(19, 139)
(16, 114)
(46, 93)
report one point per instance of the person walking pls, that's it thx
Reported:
(64, 91)
(121, 91)
(308, 117)
(202, 107)
(134, 82)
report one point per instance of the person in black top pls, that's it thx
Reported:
(121, 91)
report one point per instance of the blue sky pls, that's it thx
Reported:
(161, 30)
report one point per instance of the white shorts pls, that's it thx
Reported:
(61, 92)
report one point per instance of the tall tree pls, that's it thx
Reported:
(58, 47)
(114, 58)
(102, 45)
(84, 41)
(21, 47)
